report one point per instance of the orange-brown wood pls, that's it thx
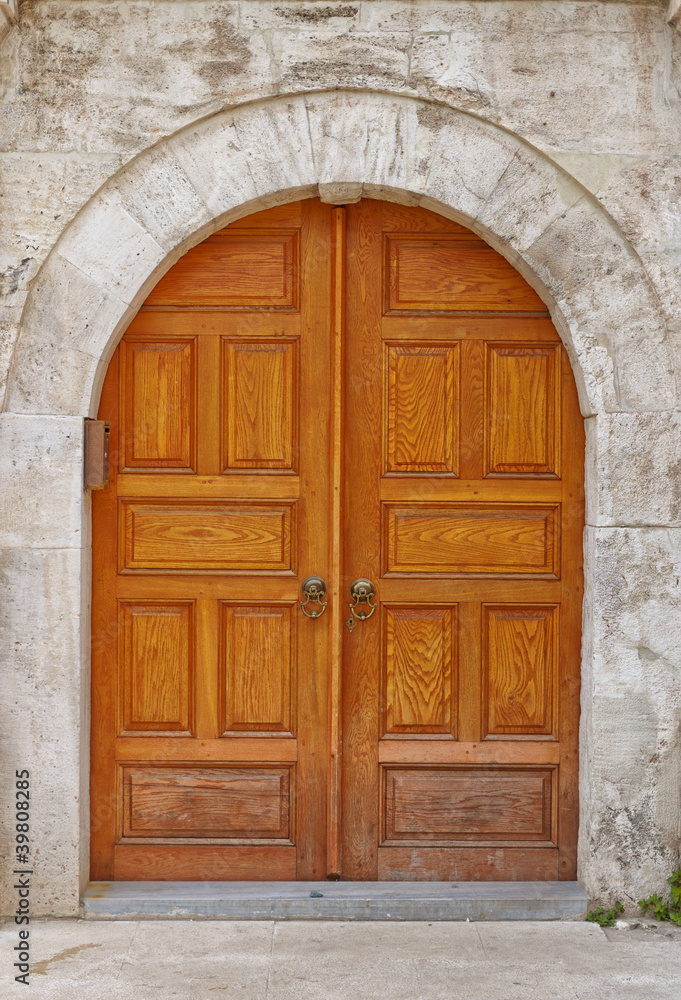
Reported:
(209, 685)
(464, 506)
(369, 391)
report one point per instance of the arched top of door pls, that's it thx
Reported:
(342, 146)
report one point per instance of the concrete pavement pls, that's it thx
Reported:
(326, 960)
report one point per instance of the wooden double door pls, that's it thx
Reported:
(362, 392)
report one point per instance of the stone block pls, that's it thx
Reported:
(157, 193)
(631, 737)
(41, 481)
(468, 163)
(211, 156)
(634, 462)
(67, 326)
(44, 684)
(277, 137)
(310, 60)
(123, 261)
(385, 144)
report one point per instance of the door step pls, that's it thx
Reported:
(334, 900)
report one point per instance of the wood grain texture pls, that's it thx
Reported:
(206, 536)
(237, 338)
(156, 668)
(257, 683)
(158, 389)
(454, 805)
(203, 862)
(421, 409)
(523, 409)
(249, 803)
(419, 675)
(452, 271)
(520, 669)
(368, 391)
(241, 270)
(467, 864)
(458, 539)
(260, 404)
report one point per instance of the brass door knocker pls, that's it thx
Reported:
(361, 608)
(314, 591)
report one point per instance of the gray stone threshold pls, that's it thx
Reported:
(334, 900)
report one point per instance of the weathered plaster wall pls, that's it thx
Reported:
(553, 128)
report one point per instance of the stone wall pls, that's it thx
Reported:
(130, 130)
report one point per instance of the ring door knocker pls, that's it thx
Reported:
(361, 608)
(314, 591)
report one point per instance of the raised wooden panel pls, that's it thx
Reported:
(241, 270)
(227, 802)
(184, 536)
(260, 408)
(447, 272)
(422, 408)
(468, 804)
(419, 674)
(523, 409)
(156, 668)
(158, 404)
(452, 539)
(256, 668)
(520, 669)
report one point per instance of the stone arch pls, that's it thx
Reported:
(342, 145)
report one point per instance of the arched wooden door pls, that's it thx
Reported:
(369, 392)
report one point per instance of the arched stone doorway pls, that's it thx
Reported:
(602, 303)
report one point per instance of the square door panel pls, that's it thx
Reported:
(158, 404)
(419, 670)
(449, 805)
(199, 802)
(421, 431)
(459, 539)
(202, 536)
(257, 662)
(520, 669)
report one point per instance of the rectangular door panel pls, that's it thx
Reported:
(490, 805)
(237, 269)
(158, 404)
(419, 680)
(422, 408)
(462, 539)
(260, 404)
(249, 803)
(206, 536)
(156, 668)
(468, 864)
(257, 661)
(523, 409)
(452, 272)
(520, 669)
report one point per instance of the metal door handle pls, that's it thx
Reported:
(314, 591)
(361, 592)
